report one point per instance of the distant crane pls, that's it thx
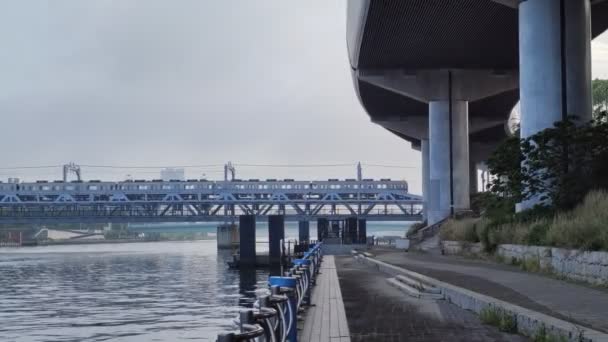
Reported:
(71, 168)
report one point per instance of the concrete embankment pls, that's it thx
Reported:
(564, 309)
(379, 312)
(591, 267)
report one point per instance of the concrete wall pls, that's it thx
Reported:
(338, 249)
(528, 322)
(591, 267)
(458, 247)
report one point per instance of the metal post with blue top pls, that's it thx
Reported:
(277, 316)
(287, 285)
(305, 265)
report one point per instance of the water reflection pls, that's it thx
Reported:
(128, 292)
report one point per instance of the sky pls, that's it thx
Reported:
(165, 83)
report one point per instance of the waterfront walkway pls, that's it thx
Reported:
(378, 312)
(325, 321)
(565, 300)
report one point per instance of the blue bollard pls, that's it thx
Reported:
(308, 277)
(289, 283)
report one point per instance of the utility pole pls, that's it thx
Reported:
(229, 169)
(71, 168)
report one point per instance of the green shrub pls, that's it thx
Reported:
(585, 227)
(542, 336)
(538, 233)
(508, 324)
(416, 227)
(498, 318)
(490, 316)
(531, 265)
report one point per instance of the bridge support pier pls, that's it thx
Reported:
(350, 234)
(276, 233)
(555, 65)
(362, 231)
(426, 176)
(448, 92)
(473, 177)
(448, 158)
(322, 228)
(304, 231)
(227, 236)
(247, 240)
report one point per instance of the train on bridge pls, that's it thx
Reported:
(206, 200)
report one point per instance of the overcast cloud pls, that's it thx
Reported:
(160, 82)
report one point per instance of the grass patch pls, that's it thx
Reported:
(496, 317)
(461, 230)
(531, 265)
(543, 336)
(584, 228)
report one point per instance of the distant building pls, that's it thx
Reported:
(13, 180)
(172, 174)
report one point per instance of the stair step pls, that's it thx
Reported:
(411, 291)
(418, 284)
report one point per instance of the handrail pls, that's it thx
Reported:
(277, 314)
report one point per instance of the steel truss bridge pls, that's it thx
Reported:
(202, 200)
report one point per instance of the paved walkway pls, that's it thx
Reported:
(561, 299)
(325, 321)
(377, 312)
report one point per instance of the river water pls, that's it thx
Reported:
(156, 291)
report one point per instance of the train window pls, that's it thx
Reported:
(190, 186)
(142, 187)
(92, 187)
(167, 187)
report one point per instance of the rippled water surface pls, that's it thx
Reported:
(163, 291)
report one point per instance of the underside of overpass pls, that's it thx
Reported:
(463, 58)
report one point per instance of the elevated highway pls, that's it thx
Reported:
(446, 75)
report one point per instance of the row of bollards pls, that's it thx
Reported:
(276, 314)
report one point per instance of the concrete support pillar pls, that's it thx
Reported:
(578, 59)
(540, 65)
(227, 236)
(276, 233)
(555, 65)
(362, 231)
(322, 228)
(304, 231)
(448, 159)
(350, 230)
(473, 177)
(426, 176)
(247, 240)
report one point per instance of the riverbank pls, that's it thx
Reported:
(377, 311)
(572, 304)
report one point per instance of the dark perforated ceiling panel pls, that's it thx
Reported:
(439, 34)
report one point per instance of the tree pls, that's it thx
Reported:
(600, 96)
(558, 165)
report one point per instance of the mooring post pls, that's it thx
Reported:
(287, 286)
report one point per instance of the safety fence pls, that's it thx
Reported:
(274, 317)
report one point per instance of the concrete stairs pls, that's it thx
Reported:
(415, 287)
